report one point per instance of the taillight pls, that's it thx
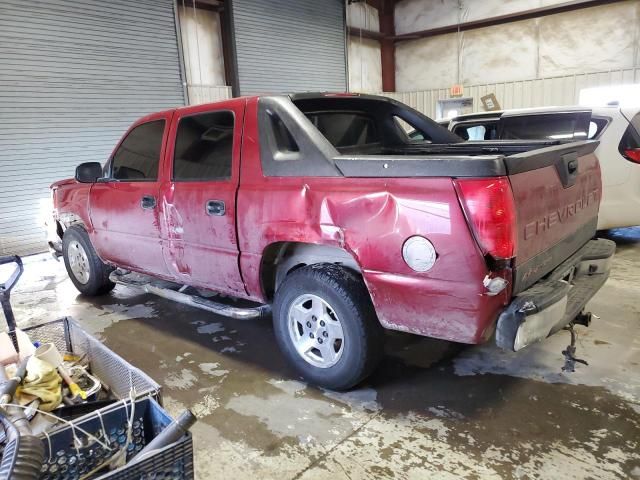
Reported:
(489, 206)
(629, 146)
(632, 154)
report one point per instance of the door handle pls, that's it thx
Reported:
(148, 201)
(215, 208)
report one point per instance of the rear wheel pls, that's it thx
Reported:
(326, 326)
(87, 272)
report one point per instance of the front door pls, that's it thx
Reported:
(124, 206)
(199, 203)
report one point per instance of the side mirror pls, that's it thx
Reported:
(88, 172)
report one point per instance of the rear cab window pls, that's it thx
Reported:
(346, 129)
(359, 125)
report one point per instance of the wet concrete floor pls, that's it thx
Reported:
(432, 410)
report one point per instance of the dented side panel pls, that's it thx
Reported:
(70, 204)
(201, 249)
(126, 234)
(371, 219)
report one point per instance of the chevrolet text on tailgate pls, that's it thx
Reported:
(341, 216)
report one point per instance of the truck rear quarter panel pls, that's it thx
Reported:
(371, 219)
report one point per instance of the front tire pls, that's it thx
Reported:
(87, 272)
(326, 326)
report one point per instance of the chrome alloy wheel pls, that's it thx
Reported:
(78, 261)
(316, 331)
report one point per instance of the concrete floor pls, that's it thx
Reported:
(432, 410)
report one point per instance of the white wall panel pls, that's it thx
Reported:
(363, 15)
(492, 54)
(416, 15)
(427, 63)
(201, 46)
(207, 93)
(365, 65)
(593, 39)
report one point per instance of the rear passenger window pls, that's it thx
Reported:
(138, 155)
(204, 147)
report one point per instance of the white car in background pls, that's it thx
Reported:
(617, 129)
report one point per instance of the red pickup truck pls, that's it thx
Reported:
(322, 211)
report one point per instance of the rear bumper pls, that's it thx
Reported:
(556, 301)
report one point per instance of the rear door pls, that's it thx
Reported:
(124, 206)
(557, 192)
(200, 243)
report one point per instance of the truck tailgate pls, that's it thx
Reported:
(557, 193)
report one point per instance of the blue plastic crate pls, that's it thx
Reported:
(71, 454)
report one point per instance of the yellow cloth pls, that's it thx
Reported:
(42, 381)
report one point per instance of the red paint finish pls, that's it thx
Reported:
(124, 233)
(201, 249)
(370, 218)
(547, 212)
(73, 197)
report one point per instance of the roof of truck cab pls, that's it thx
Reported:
(293, 96)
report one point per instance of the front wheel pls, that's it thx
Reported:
(87, 272)
(326, 326)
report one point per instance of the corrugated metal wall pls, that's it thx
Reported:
(522, 94)
(73, 76)
(286, 46)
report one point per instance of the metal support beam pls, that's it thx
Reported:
(387, 46)
(361, 32)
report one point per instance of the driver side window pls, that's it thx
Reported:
(138, 156)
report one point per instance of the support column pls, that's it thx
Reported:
(387, 45)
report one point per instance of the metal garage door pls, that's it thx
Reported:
(288, 46)
(73, 75)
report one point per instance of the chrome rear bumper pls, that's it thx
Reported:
(557, 300)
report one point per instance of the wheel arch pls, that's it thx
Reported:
(67, 220)
(279, 259)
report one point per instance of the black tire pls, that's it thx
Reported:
(347, 295)
(98, 282)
